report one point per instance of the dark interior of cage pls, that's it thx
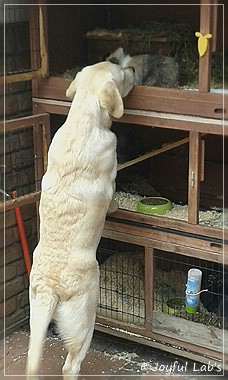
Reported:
(90, 34)
(165, 174)
(122, 285)
(17, 51)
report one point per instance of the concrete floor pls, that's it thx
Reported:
(107, 356)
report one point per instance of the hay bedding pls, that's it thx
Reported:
(182, 46)
(122, 290)
(210, 218)
(122, 285)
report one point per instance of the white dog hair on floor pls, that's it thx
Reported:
(76, 194)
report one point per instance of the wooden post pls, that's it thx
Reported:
(43, 40)
(207, 25)
(214, 25)
(46, 141)
(39, 62)
(34, 43)
(149, 287)
(194, 177)
(202, 159)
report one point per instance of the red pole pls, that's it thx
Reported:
(23, 239)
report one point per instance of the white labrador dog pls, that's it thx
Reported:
(77, 191)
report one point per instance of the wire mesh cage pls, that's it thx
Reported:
(17, 39)
(171, 273)
(121, 281)
(122, 285)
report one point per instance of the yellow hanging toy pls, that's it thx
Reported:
(202, 42)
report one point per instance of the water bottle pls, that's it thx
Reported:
(193, 290)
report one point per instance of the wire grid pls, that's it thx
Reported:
(15, 13)
(122, 284)
(121, 281)
(17, 48)
(171, 273)
(19, 162)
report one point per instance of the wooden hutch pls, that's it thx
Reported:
(199, 113)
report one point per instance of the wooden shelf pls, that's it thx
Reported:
(166, 234)
(175, 101)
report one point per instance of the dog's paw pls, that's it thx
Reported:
(113, 207)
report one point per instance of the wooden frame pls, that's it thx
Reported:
(41, 68)
(41, 127)
(198, 112)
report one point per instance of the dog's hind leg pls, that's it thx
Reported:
(42, 307)
(75, 319)
(76, 355)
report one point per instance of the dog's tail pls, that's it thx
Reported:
(42, 307)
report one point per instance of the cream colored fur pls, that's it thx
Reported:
(77, 191)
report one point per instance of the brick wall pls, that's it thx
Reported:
(16, 278)
(19, 161)
(19, 176)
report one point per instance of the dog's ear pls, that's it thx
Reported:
(111, 100)
(71, 91)
(119, 54)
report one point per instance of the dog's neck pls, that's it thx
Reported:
(87, 106)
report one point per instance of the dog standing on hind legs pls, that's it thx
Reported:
(77, 192)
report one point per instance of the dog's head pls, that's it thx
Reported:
(106, 82)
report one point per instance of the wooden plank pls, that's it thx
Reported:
(147, 118)
(53, 88)
(149, 98)
(175, 101)
(19, 77)
(51, 106)
(188, 331)
(126, 332)
(202, 160)
(163, 245)
(129, 331)
(149, 286)
(162, 221)
(34, 43)
(20, 201)
(175, 238)
(43, 40)
(153, 153)
(46, 134)
(205, 60)
(194, 178)
(152, 120)
(38, 156)
(214, 25)
(23, 122)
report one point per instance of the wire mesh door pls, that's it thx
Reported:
(121, 281)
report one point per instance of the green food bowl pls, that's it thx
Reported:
(154, 205)
(173, 305)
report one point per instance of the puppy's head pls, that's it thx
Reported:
(107, 83)
(117, 56)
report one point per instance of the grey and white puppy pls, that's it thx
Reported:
(150, 70)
